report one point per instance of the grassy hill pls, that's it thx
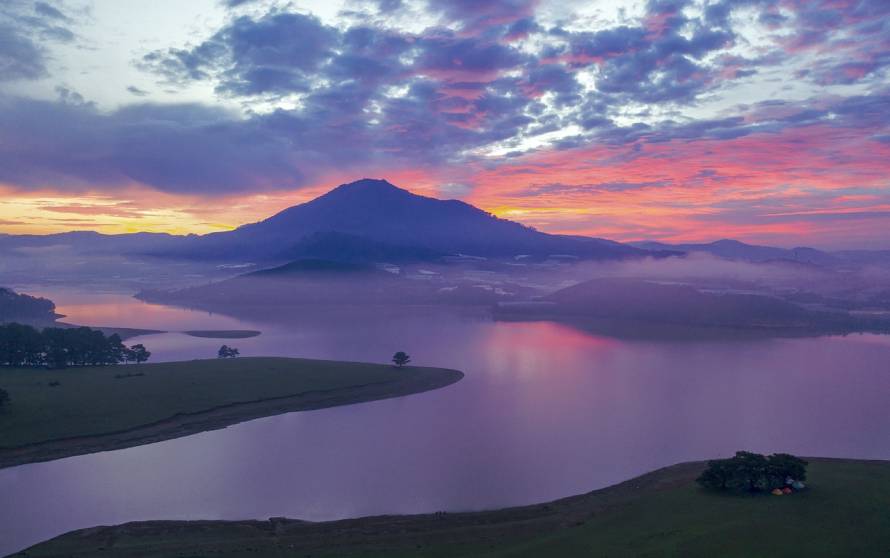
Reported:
(661, 514)
(55, 413)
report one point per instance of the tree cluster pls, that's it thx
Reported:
(227, 352)
(54, 347)
(752, 472)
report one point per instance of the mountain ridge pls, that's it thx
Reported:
(374, 220)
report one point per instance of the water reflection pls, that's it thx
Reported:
(544, 411)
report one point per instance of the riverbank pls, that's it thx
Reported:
(663, 513)
(61, 413)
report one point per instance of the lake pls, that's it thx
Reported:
(545, 411)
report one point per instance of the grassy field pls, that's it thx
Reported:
(844, 512)
(174, 399)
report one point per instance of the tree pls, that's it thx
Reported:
(784, 465)
(56, 347)
(138, 353)
(717, 475)
(21, 345)
(227, 352)
(401, 358)
(4, 398)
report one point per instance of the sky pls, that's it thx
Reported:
(674, 120)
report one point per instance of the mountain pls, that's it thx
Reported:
(735, 250)
(338, 246)
(388, 218)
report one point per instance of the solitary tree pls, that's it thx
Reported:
(139, 353)
(227, 352)
(401, 358)
(4, 397)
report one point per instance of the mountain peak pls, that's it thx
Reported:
(368, 185)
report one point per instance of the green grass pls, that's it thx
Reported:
(91, 401)
(844, 512)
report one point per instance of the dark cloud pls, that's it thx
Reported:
(387, 6)
(608, 42)
(20, 58)
(278, 53)
(50, 12)
(180, 148)
(465, 55)
(23, 29)
(484, 15)
(650, 65)
(236, 3)
(554, 78)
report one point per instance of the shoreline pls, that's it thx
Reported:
(416, 380)
(403, 535)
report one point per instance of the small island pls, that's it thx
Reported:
(223, 333)
(113, 407)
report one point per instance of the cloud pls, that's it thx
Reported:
(20, 58)
(50, 12)
(482, 15)
(23, 28)
(173, 148)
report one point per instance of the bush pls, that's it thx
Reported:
(752, 472)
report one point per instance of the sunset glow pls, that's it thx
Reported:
(688, 120)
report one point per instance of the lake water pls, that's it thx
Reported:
(545, 411)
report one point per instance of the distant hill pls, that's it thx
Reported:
(735, 250)
(313, 282)
(15, 307)
(636, 301)
(88, 242)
